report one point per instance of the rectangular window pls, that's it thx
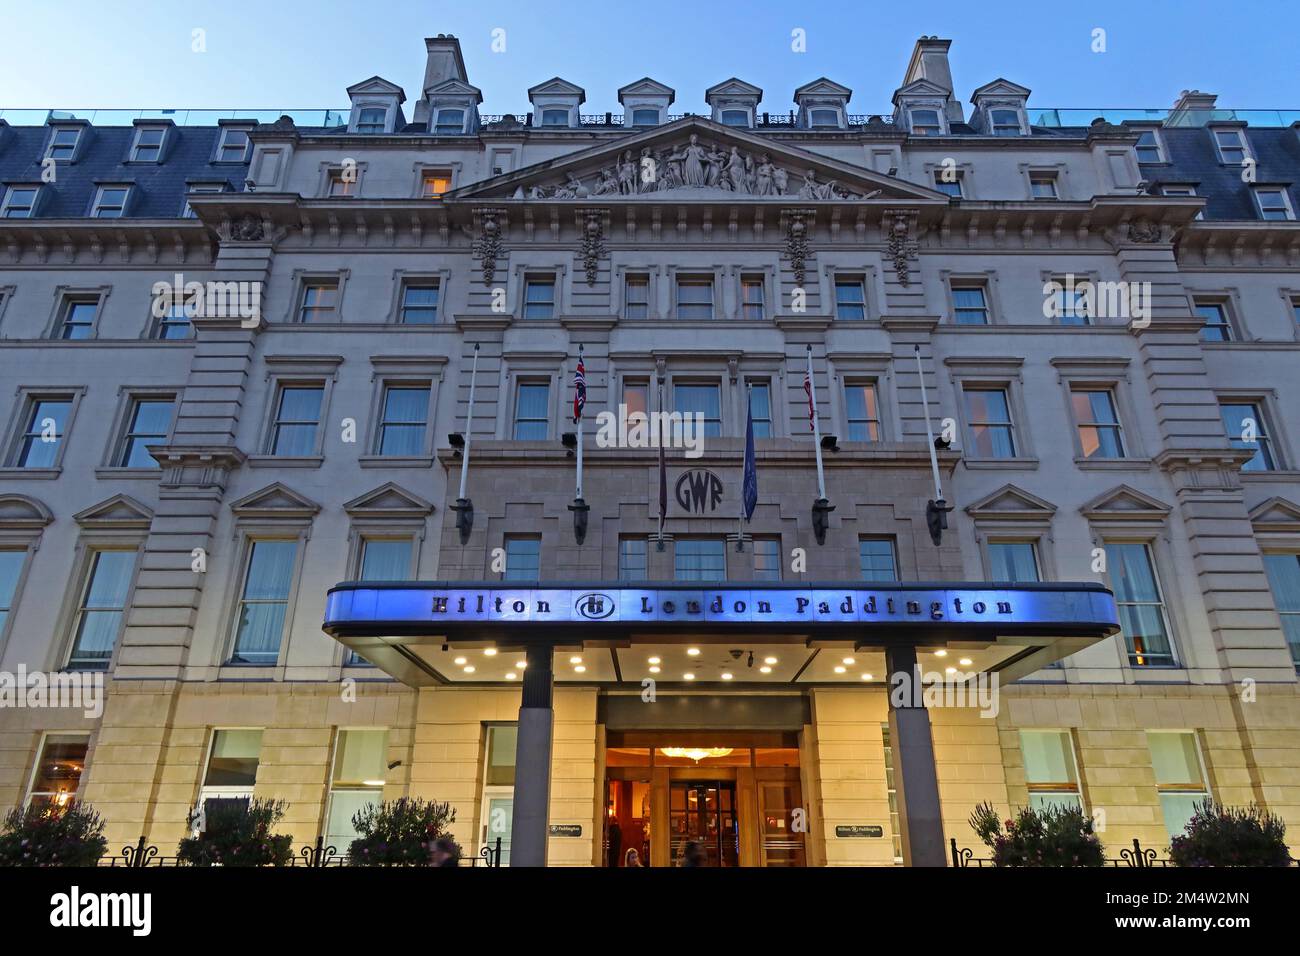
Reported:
(1141, 604)
(1182, 191)
(703, 400)
(767, 559)
(435, 183)
(632, 559)
(760, 405)
(175, 324)
(862, 411)
(850, 299)
(1295, 310)
(63, 144)
(539, 297)
(78, 318)
(500, 162)
(450, 123)
(555, 117)
(320, 299)
(636, 296)
(1217, 328)
(925, 123)
(233, 145)
(1070, 305)
(386, 559)
(1097, 421)
(404, 420)
(948, 183)
(1180, 778)
(147, 147)
(1042, 186)
(232, 766)
(532, 411)
(47, 422)
(201, 189)
(969, 304)
(1273, 203)
(1148, 147)
(700, 559)
(57, 775)
(645, 117)
(264, 602)
(99, 612)
(20, 202)
(1231, 146)
(694, 297)
(11, 569)
(297, 416)
(1244, 423)
(356, 782)
(752, 307)
(1014, 562)
(371, 121)
(523, 559)
(420, 303)
(1005, 122)
(635, 398)
(110, 202)
(988, 414)
(148, 423)
(1284, 579)
(824, 118)
(497, 807)
(341, 186)
(1050, 772)
(876, 559)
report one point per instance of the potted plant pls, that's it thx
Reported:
(399, 832)
(1045, 836)
(238, 833)
(52, 835)
(1230, 836)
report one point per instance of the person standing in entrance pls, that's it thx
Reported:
(693, 854)
(632, 859)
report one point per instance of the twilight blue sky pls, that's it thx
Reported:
(282, 54)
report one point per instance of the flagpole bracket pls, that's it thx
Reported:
(579, 509)
(821, 518)
(936, 518)
(464, 509)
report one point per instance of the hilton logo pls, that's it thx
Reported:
(595, 607)
(699, 491)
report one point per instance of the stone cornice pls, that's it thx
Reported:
(109, 242)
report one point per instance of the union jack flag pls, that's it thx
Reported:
(579, 390)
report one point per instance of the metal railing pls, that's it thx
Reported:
(1139, 857)
(316, 856)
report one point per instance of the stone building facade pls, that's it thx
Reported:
(1105, 318)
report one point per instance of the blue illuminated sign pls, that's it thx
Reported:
(1079, 606)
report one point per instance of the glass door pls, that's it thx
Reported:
(780, 809)
(704, 812)
(498, 812)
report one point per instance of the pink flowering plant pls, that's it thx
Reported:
(1043, 836)
(52, 835)
(1230, 836)
(239, 834)
(399, 832)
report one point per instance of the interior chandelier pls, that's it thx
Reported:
(695, 753)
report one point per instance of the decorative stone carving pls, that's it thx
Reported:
(796, 243)
(699, 167)
(900, 243)
(489, 245)
(1144, 230)
(248, 228)
(593, 242)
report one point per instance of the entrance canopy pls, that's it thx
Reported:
(471, 632)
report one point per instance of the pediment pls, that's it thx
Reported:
(557, 86)
(275, 501)
(119, 511)
(731, 88)
(455, 87)
(389, 500)
(1124, 502)
(921, 88)
(701, 170)
(1276, 514)
(377, 85)
(822, 86)
(646, 87)
(20, 511)
(1010, 503)
(1000, 87)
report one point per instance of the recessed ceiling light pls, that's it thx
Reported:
(692, 651)
(765, 669)
(688, 677)
(654, 670)
(521, 664)
(769, 660)
(654, 660)
(726, 675)
(941, 653)
(849, 660)
(950, 670)
(469, 668)
(489, 652)
(510, 675)
(580, 669)
(840, 668)
(459, 662)
(965, 662)
(867, 677)
(575, 660)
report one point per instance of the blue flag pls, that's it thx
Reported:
(749, 489)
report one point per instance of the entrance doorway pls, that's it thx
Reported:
(738, 794)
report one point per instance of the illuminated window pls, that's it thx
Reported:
(700, 559)
(356, 782)
(1180, 777)
(532, 411)
(435, 183)
(1051, 774)
(862, 411)
(1097, 422)
(1141, 603)
(988, 414)
(264, 601)
(57, 774)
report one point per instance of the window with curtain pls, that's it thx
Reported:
(700, 559)
(356, 782)
(297, 416)
(1284, 580)
(989, 415)
(386, 559)
(632, 559)
(1246, 418)
(862, 411)
(1097, 421)
(1180, 778)
(767, 559)
(876, 559)
(970, 307)
(1013, 561)
(319, 299)
(420, 303)
(532, 411)
(760, 403)
(47, 423)
(694, 297)
(751, 298)
(703, 400)
(11, 569)
(850, 299)
(636, 395)
(1050, 774)
(58, 770)
(539, 297)
(264, 602)
(636, 296)
(148, 423)
(523, 559)
(405, 419)
(99, 614)
(1141, 605)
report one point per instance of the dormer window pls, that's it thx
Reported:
(372, 120)
(450, 123)
(19, 202)
(555, 117)
(1149, 148)
(63, 144)
(1231, 146)
(734, 118)
(1005, 122)
(341, 186)
(110, 202)
(824, 118)
(233, 145)
(644, 117)
(147, 147)
(925, 123)
(1273, 203)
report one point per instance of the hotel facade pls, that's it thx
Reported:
(290, 463)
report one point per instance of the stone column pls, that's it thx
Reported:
(917, 783)
(529, 825)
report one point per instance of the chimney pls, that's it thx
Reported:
(1193, 108)
(930, 62)
(444, 62)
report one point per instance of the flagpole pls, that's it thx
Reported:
(578, 422)
(469, 418)
(929, 435)
(740, 521)
(663, 488)
(817, 431)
